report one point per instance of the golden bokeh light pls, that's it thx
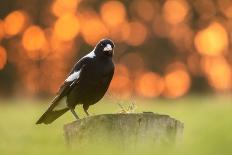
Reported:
(3, 57)
(212, 41)
(228, 11)
(162, 46)
(31, 80)
(177, 83)
(120, 35)
(67, 27)
(160, 27)
(122, 70)
(57, 76)
(175, 65)
(61, 7)
(149, 85)
(144, 9)
(137, 35)
(121, 83)
(193, 62)
(2, 33)
(129, 61)
(226, 7)
(14, 22)
(58, 47)
(175, 11)
(206, 10)
(93, 30)
(218, 72)
(33, 38)
(182, 36)
(113, 13)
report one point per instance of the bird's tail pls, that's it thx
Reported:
(50, 115)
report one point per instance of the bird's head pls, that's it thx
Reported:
(105, 47)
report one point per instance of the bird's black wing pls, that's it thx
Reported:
(70, 82)
(51, 114)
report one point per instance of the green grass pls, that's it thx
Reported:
(207, 120)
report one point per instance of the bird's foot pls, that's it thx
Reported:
(74, 114)
(87, 113)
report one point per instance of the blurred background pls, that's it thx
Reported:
(173, 57)
(164, 48)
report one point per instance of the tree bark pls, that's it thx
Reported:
(136, 129)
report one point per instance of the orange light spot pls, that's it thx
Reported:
(121, 69)
(125, 31)
(61, 7)
(2, 33)
(122, 34)
(51, 82)
(175, 11)
(182, 36)
(113, 13)
(175, 65)
(212, 41)
(33, 38)
(59, 47)
(144, 9)
(150, 85)
(14, 22)
(177, 83)
(93, 30)
(129, 61)
(121, 84)
(3, 57)
(218, 72)
(138, 34)
(193, 62)
(160, 27)
(31, 80)
(228, 12)
(67, 27)
(226, 7)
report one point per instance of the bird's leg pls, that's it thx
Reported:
(86, 109)
(74, 113)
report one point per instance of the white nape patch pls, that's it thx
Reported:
(90, 55)
(73, 76)
(108, 48)
(61, 105)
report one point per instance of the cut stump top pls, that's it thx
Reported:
(136, 128)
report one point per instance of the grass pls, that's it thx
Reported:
(208, 126)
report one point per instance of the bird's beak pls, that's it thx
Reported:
(108, 49)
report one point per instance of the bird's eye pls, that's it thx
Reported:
(102, 45)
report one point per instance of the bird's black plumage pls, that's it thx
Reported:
(86, 84)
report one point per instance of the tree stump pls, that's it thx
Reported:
(124, 130)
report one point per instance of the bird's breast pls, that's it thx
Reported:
(96, 73)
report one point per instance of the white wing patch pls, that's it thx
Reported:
(61, 105)
(73, 76)
(90, 55)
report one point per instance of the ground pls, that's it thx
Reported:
(207, 119)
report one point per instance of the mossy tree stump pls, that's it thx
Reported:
(124, 130)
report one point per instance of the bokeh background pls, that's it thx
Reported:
(164, 48)
(172, 57)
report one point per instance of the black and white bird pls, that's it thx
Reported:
(86, 84)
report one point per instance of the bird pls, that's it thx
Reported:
(85, 85)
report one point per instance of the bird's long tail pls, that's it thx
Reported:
(51, 115)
